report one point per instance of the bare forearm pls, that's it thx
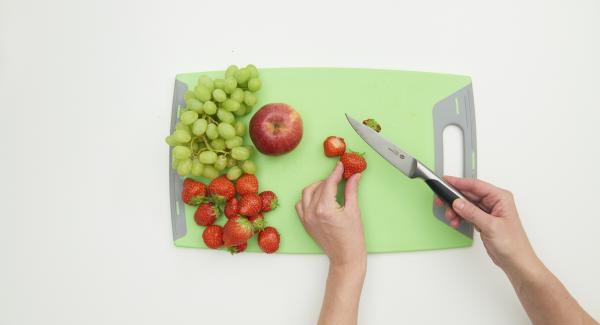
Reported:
(544, 298)
(342, 294)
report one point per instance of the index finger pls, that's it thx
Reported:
(473, 186)
(330, 184)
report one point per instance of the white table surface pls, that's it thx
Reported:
(85, 96)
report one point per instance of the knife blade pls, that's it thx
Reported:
(404, 162)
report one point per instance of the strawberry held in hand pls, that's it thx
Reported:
(268, 240)
(246, 184)
(213, 236)
(205, 214)
(237, 231)
(231, 208)
(353, 163)
(334, 146)
(193, 192)
(269, 201)
(221, 189)
(250, 205)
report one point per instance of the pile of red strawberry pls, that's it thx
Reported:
(242, 205)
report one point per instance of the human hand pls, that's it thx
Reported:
(501, 231)
(338, 230)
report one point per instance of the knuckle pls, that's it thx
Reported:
(320, 210)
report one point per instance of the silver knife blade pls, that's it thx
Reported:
(394, 155)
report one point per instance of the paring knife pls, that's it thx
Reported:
(405, 163)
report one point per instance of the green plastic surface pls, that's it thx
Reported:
(396, 211)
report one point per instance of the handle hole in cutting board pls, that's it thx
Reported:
(454, 151)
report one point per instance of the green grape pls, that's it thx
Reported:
(237, 95)
(207, 82)
(230, 162)
(249, 98)
(189, 117)
(184, 167)
(197, 167)
(180, 126)
(202, 93)
(182, 136)
(226, 131)
(170, 140)
(196, 106)
(225, 116)
(240, 128)
(195, 146)
(181, 152)
(210, 108)
(219, 95)
(234, 142)
(240, 153)
(210, 172)
(207, 157)
(230, 72)
(188, 95)
(175, 163)
(234, 173)
(242, 75)
(221, 163)
(230, 84)
(249, 167)
(253, 70)
(231, 105)
(254, 85)
(199, 127)
(219, 83)
(211, 131)
(218, 144)
(242, 111)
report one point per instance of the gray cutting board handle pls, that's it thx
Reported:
(457, 109)
(175, 182)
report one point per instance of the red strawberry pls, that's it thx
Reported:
(250, 204)
(213, 236)
(231, 208)
(238, 248)
(193, 192)
(353, 163)
(258, 222)
(334, 146)
(372, 124)
(268, 240)
(205, 214)
(247, 183)
(269, 200)
(221, 190)
(237, 231)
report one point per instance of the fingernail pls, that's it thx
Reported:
(459, 204)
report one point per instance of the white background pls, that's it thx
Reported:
(85, 97)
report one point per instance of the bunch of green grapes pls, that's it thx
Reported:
(208, 140)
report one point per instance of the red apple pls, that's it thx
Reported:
(276, 129)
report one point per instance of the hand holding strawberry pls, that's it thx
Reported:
(338, 230)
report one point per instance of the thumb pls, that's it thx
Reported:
(351, 191)
(471, 213)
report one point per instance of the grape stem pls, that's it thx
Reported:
(211, 148)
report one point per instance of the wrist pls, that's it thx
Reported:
(526, 271)
(355, 266)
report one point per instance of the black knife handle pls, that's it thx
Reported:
(442, 191)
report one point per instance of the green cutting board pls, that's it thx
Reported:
(397, 212)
